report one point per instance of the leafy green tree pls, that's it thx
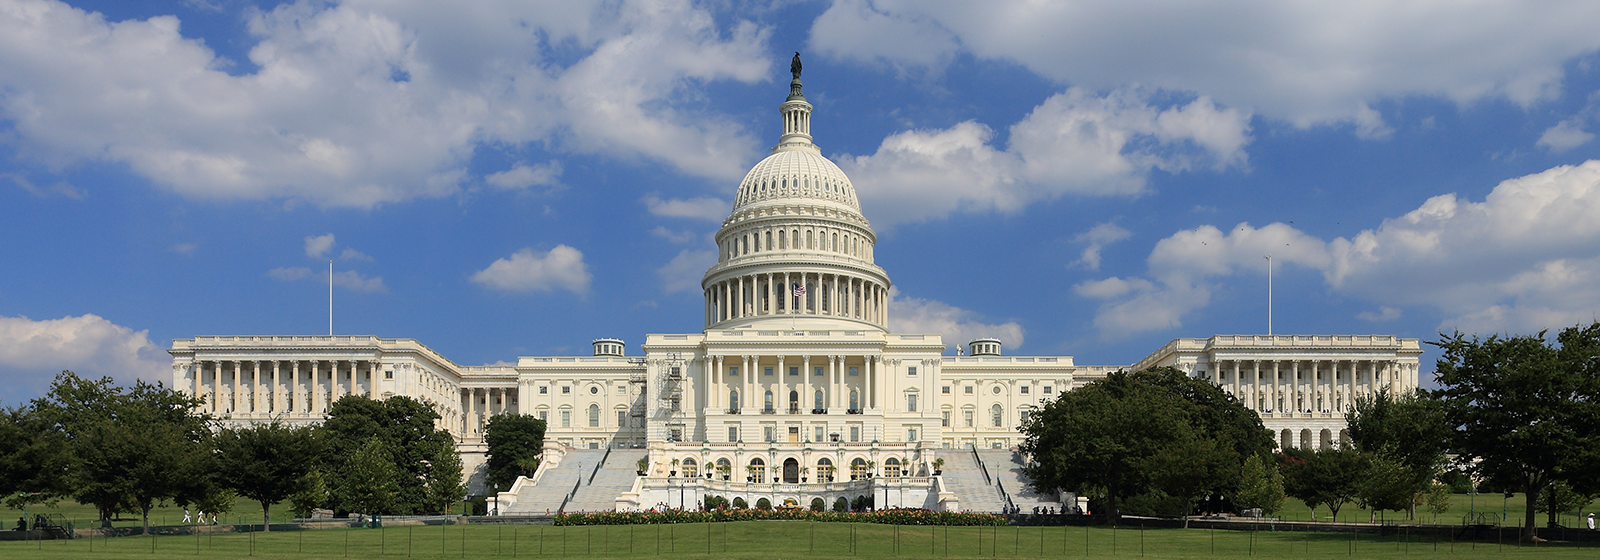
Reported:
(1260, 485)
(310, 494)
(1386, 485)
(370, 483)
(404, 427)
(1559, 498)
(1408, 429)
(31, 458)
(515, 442)
(443, 479)
(265, 462)
(1525, 411)
(1438, 500)
(1330, 477)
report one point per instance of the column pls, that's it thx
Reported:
(769, 307)
(805, 382)
(277, 391)
(233, 395)
(832, 398)
(1294, 378)
(1235, 378)
(782, 373)
(872, 384)
(255, 386)
(317, 404)
(751, 364)
(197, 367)
(1276, 379)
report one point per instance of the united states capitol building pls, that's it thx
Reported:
(795, 391)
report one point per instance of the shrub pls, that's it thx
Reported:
(841, 505)
(763, 504)
(715, 502)
(817, 504)
(739, 503)
(890, 517)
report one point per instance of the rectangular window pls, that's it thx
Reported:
(911, 434)
(794, 372)
(769, 434)
(967, 415)
(944, 420)
(733, 372)
(1048, 389)
(768, 371)
(622, 418)
(566, 419)
(911, 403)
(1025, 415)
(855, 433)
(855, 371)
(388, 375)
(544, 390)
(968, 389)
(733, 434)
(565, 390)
(622, 389)
(544, 416)
(1024, 389)
(819, 434)
(816, 371)
(945, 389)
(911, 371)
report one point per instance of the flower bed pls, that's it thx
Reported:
(887, 517)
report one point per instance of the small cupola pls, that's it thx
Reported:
(608, 347)
(985, 347)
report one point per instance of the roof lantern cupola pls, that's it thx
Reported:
(985, 346)
(609, 347)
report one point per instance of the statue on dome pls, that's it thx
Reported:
(794, 65)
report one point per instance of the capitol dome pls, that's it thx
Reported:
(796, 252)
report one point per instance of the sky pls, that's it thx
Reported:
(499, 179)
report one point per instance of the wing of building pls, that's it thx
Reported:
(795, 391)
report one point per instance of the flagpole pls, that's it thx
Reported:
(1269, 294)
(330, 297)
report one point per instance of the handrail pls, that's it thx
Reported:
(599, 464)
(570, 494)
(981, 467)
(1010, 505)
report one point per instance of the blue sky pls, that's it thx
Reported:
(512, 178)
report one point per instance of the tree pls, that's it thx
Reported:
(1386, 485)
(1330, 477)
(404, 427)
(310, 494)
(1524, 411)
(371, 481)
(1438, 500)
(31, 458)
(515, 442)
(1260, 485)
(1409, 430)
(1559, 498)
(443, 479)
(265, 462)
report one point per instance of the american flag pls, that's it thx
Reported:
(799, 290)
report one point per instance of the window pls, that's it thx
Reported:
(1024, 417)
(769, 401)
(622, 389)
(855, 371)
(995, 390)
(816, 371)
(968, 389)
(911, 434)
(769, 437)
(769, 371)
(566, 419)
(967, 415)
(733, 372)
(794, 371)
(544, 416)
(1024, 389)
(544, 390)
(1048, 389)
(998, 415)
(733, 434)
(622, 418)
(733, 400)
(911, 371)
(594, 390)
(594, 416)
(819, 431)
(858, 469)
(855, 401)
(945, 389)
(388, 374)
(565, 390)
(690, 468)
(819, 405)
(944, 419)
(891, 467)
(855, 433)
(911, 403)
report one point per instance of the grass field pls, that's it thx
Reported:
(771, 539)
(244, 511)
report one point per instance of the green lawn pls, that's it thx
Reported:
(767, 540)
(244, 511)
(1460, 504)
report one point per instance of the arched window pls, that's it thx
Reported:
(794, 402)
(998, 414)
(891, 467)
(769, 241)
(858, 469)
(757, 469)
(733, 400)
(769, 401)
(594, 416)
(818, 399)
(855, 401)
(783, 242)
(689, 467)
(835, 245)
(824, 470)
(724, 468)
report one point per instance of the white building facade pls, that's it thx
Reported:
(795, 378)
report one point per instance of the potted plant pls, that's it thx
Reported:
(724, 469)
(674, 471)
(643, 464)
(938, 466)
(804, 470)
(872, 468)
(750, 472)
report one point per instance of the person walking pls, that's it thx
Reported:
(185, 514)
(1591, 522)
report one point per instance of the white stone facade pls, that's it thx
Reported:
(795, 379)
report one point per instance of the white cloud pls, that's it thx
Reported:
(1384, 314)
(1526, 258)
(522, 176)
(318, 245)
(702, 208)
(684, 272)
(1097, 238)
(33, 352)
(356, 282)
(59, 188)
(958, 326)
(353, 255)
(289, 273)
(677, 237)
(1075, 142)
(524, 271)
(1304, 62)
(362, 103)
(185, 249)
(1565, 135)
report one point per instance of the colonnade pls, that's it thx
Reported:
(479, 403)
(774, 293)
(277, 386)
(750, 383)
(1313, 385)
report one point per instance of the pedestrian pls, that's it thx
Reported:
(186, 514)
(202, 519)
(1591, 522)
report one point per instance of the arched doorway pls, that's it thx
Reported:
(794, 402)
(791, 470)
